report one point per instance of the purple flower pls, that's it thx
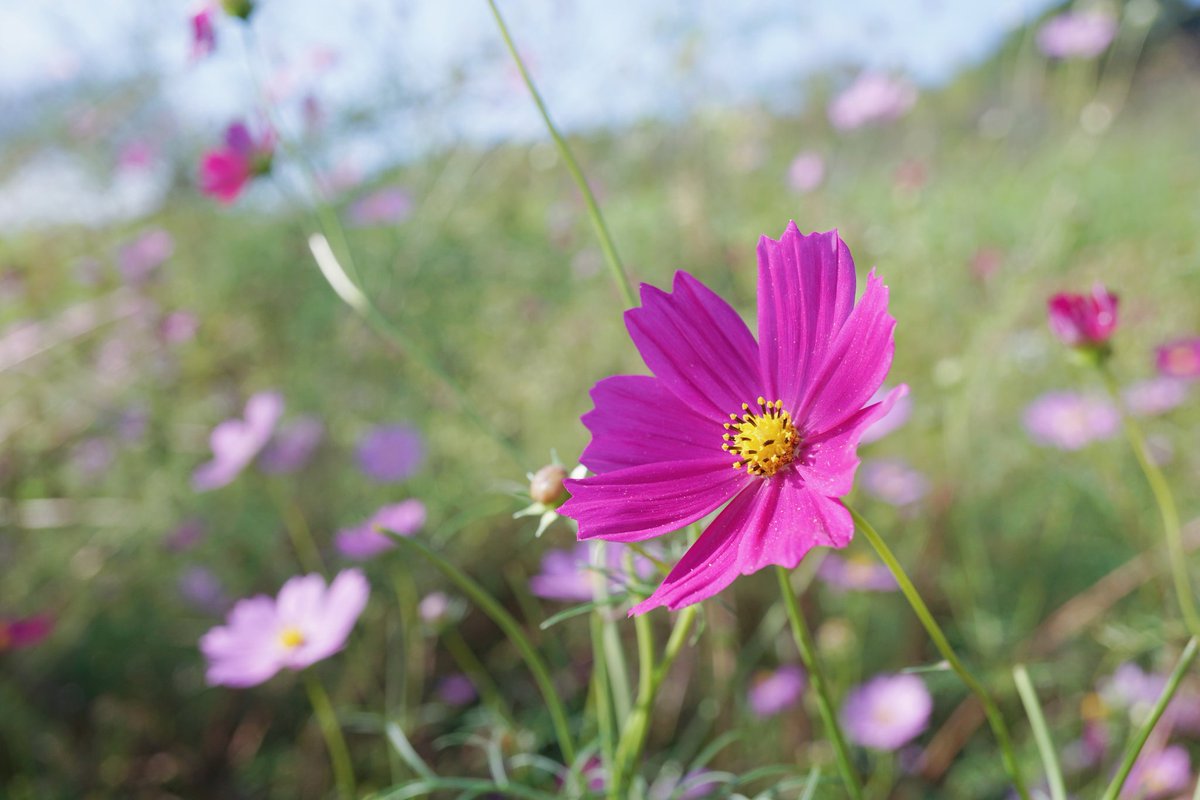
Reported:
(456, 690)
(92, 457)
(307, 623)
(186, 536)
(178, 327)
(773, 692)
(1180, 358)
(235, 442)
(1083, 320)
(1070, 421)
(293, 446)
(569, 577)
(856, 573)
(366, 541)
(137, 260)
(806, 172)
(24, 632)
(388, 205)
(1158, 773)
(894, 419)
(1080, 34)
(204, 35)
(1130, 687)
(390, 453)
(1155, 396)
(893, 481)
(202, 590)
(671, 448)
(887, 712)
(873, 97)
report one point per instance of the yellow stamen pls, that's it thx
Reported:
(764, 441)
(291, 638)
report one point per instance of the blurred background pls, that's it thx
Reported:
(980, 156)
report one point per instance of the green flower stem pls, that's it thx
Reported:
(343, 773)
(297, 529)
(1167, 510)
(1041, 733)
(490, 606)
(990, 710)
(816, 676)
(605, 727)
(617, 672)
(1135, 745)
(637, 727)
(564, 150)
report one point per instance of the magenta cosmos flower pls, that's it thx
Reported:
(235, 442)
(1084, 34)
(1180, 358)
(226, 170)
(1084, 320)
(24, 632)
(887, 712)
(769, 427)
(307, 623)
(204, 34)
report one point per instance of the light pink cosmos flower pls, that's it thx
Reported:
(25, 631)
(1081, 34)
(204, 35)
(307, 623)
(856, 573)
(137, 260)
(1180, 358)
(235, 442)
(1158, 773)
(367, 541)
(773, 692)
(1071, 421)
(568, 575)
(887, 712)
(806, 172)
(872, 98)
(292, 446)
(226, 170)
(1155, 396)
(893, 420)
(388, 205)
(769, 427)
(178, 327)
(390, 453)
(894, 481)
(1083, 320)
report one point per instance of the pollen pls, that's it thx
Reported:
(291, 638)
(762, 439)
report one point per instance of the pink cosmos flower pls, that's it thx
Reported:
(1159, 773)
(24, 632)
(1084, 34)
(1071, 421)
(856, 573)
(1155, 396)
(367, 541)
(893, 420)
(226, 170)
(390, 204)
(137, 260)
(390, 453)
(568, 575)
(872, 98)
(178, 327)
(292, 446)
(307, 623)
(887, 712)
(806, 172)
(893, 481)
(186, 535)
(235, 442)
(1084, 320)
(204, 35)
(777, 691)
(456, 690)
(769, 427)
(1180, 358)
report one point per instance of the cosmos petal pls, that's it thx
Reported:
(636, 503)
(697, 345)
(832, 458)
(800, 520)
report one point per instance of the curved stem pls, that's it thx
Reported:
(1041, 732)
(990, 710)
(589, 199)
(297, 529)
(1167, 511)
(1139, 740)
(808, 654)
(339, 755)
(490, 606)
(633, 735)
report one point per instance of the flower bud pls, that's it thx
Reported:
(242, 9)
(1084, 320)
(546, 486)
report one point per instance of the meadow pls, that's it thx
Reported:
(1025, 177)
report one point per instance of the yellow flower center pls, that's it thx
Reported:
(764, 441)
(291, 638)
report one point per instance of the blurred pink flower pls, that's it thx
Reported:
(894, 481)
(986, 262)
(292, 446)
(872, 97)
(307, 623)
(93, 456)
(1158, 773)
(137, 260)
(137, 154)
(456, 690)
(894, 419)
(389, 205)
(225, 171)
(1077, 34)
(1155, 396)
(235, 442)
(887, 712)
(568, 575)
(773, 692)
(186, 535)
(856, 573)
(806, 172)
(366, 541)
(390, 453)
(1083, 320)
(1179, 358)
(25, 631)
(202, 589)
(178, 327)
(433, 608)
(204, 35)
(1071, 421)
